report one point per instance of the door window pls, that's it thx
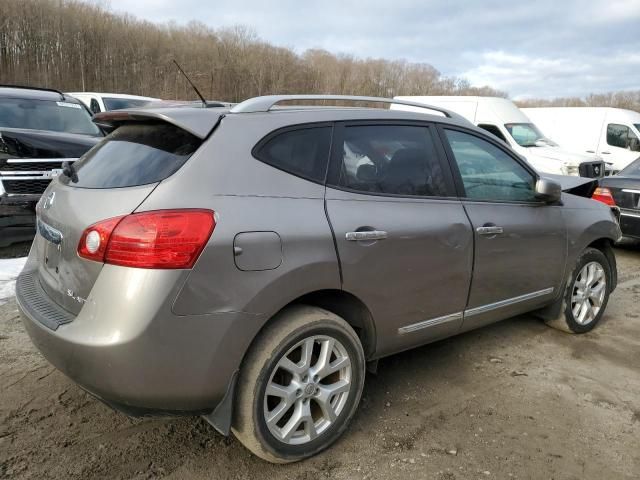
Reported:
(622, 136)
(303, 152)
(494, 130)
(94, 106)
(489, 173)
(391, 159)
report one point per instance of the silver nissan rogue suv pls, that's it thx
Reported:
(246, 264)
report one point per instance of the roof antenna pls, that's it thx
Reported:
(204, 102)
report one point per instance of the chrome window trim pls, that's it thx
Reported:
(429, 323)
(629, 214)
(509, 301)
(630, 190)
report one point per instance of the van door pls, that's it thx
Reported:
(520, 243)
(403, 239)
(619, 145)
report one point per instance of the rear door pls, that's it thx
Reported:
(111, 180)
(520, 243)
(403, 239)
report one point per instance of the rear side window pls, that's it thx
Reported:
(134, 154)
(391, 159)
(303, 152)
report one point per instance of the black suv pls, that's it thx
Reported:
(39, 130)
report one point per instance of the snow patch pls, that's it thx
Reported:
(9, 270)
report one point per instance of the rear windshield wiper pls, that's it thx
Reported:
(69, 170)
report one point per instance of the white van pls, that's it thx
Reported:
(102, 102)
(613, 133)
(502, 118)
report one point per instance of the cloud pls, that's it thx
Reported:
(544, 48)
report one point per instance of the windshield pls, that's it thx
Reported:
(637, 125)
(46, 115)
(120, 103)
(527, 135)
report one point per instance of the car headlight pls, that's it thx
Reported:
(568, 169)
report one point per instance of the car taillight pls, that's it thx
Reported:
(603, 194)
(157, 239)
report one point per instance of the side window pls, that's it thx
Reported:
(303, 152)
(392, 159)
(488, 173)
(622, 136)
(494, 130)
(94, 106)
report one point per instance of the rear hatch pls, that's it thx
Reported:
(111, 180)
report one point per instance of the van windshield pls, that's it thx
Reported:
(528, 135)
(637, 125)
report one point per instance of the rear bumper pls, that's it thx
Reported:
(133, 354)
(630, 224)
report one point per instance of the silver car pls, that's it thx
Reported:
(229, 263)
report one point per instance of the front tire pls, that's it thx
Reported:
(299, 386)
(587, 293)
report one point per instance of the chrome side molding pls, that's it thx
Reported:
(473, 311)
(430, 323)
(509, 301)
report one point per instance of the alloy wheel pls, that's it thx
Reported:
(589, 290)
(307, 390)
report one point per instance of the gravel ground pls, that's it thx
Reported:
(513, 400)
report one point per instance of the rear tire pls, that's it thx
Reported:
(299, 385)
(586, 294)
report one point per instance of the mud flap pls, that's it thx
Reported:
(553, 315)
(220, 418)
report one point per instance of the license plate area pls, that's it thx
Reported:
(51, 246)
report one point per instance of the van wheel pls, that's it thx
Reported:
(299, 385)
(586, 295)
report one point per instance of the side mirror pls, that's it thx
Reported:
(547, 190)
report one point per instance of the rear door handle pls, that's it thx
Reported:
(367, 235)
(489, 230)
(606, 153)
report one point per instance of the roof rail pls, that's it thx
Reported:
(25, 87)
(267, 102)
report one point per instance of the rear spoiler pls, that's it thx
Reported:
(197, 121)
(580, 186)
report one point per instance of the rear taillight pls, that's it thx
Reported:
(603, 194)
(157, 239)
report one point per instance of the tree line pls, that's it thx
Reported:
(75, 46)
(71, 46)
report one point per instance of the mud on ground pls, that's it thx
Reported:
(513, 400)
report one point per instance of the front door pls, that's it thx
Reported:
(403, 239)
(620, 145)
(520, 242)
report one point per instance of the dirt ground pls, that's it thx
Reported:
(513, 400)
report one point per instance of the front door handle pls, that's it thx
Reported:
(606, 153)
(366, 235)
(493, 230)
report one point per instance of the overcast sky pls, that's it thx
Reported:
(536, 48)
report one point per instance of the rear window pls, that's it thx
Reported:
(303, 152)
(134, 154)
(121, 103)
(59, 116)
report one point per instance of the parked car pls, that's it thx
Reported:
(623, 191)
(503, 119)
(226, 262)
(613, 133)
(39, 130)
(104, 102)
